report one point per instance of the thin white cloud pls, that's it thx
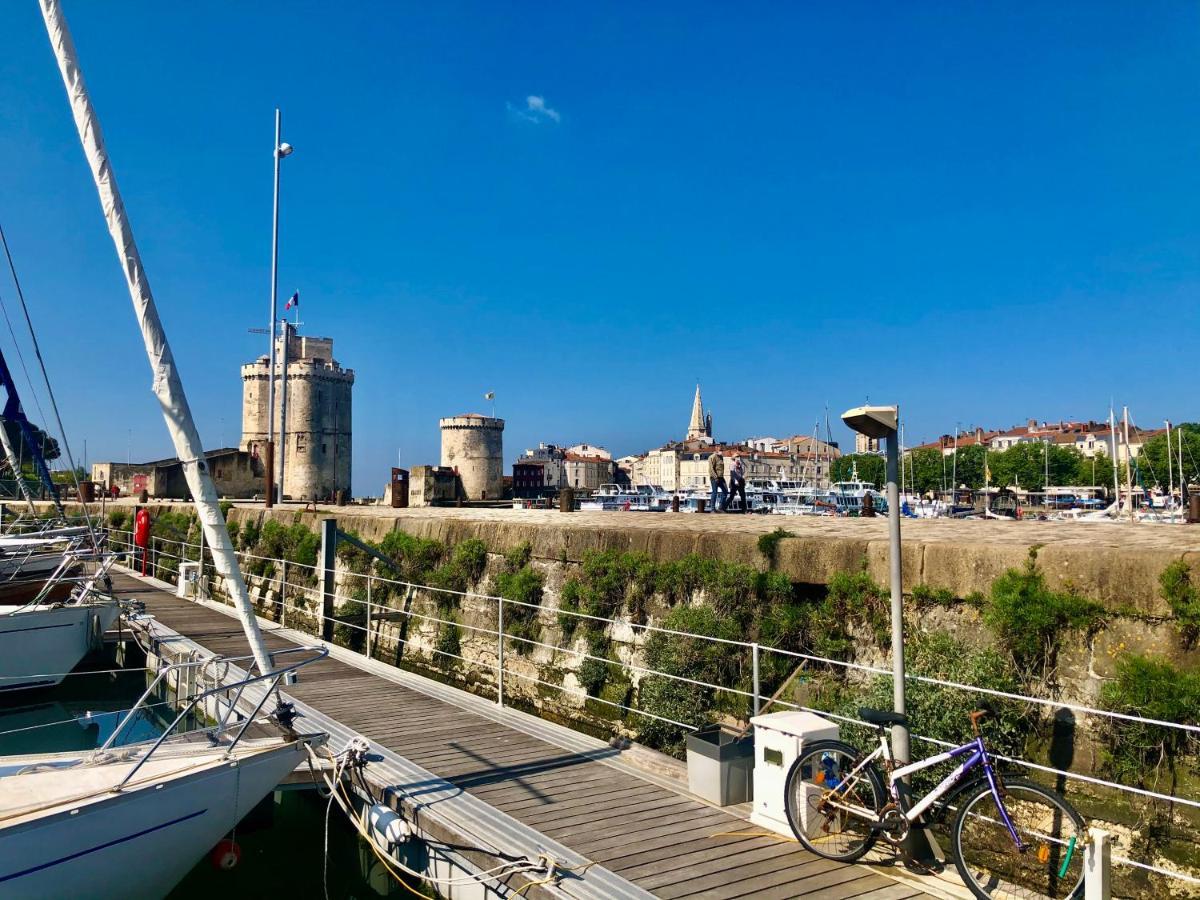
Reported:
(535, 110)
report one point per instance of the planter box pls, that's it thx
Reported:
(720, 765)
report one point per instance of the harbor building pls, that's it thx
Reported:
(1089, 438)
(235, 474)
(473, 446)
(683, 465)
(546, 469)
(864, 444)
(316, 449)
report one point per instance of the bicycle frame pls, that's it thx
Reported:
(976, 755)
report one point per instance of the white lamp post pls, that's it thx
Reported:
(280, 151)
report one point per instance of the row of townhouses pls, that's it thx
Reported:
(1089, 438)
(677, 465)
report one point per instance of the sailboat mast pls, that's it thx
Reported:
(1128, 461)
(1170, 474)
(1112, 434)
(166, 381)
(954, 465)
(1182, 483)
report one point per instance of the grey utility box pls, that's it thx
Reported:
(720, 765)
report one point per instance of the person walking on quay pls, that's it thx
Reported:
(716, 479)
(737, 482)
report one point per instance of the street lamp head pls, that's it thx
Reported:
(872, 421)
(285, 149)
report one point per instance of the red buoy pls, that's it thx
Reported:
(225, 855)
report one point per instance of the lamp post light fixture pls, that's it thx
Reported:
(281, 150)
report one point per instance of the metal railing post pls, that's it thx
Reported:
(754, 668)
(283, 592)
(328, 571)
(1097, 865)
(500, 652)
(370, 655)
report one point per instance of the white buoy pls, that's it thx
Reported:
(388, 825)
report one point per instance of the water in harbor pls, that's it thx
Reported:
(282, 841)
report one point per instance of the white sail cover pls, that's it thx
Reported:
(167, 385)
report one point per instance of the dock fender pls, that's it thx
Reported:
(226, 855)
(95, 632)
(388, 826)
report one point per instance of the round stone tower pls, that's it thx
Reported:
(317, 448)
(474, 446)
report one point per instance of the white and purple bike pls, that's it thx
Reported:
(1011, 837)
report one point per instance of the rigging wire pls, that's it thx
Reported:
(49, 390)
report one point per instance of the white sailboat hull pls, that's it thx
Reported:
(28, 567)
(139, 843)
(38, 646)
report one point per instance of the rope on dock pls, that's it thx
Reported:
(351, 762)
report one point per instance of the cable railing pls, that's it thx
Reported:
(382, 613)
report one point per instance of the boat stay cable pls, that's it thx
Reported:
(37, 350)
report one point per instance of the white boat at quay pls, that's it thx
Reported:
(131, 821)
(43, 639)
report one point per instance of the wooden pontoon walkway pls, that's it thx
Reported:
(642, 834)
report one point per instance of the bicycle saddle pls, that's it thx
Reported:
(879, 717)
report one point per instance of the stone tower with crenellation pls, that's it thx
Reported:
(318, 445)
(473, 445)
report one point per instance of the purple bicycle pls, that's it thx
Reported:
(1011, 837)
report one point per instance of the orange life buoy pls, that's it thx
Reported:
(226, 855)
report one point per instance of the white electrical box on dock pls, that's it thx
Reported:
(778, 739)
(189, 574)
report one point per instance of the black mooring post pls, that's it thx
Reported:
(328, 568)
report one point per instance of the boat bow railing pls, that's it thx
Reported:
(225, 723)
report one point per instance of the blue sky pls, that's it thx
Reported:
(983, 213)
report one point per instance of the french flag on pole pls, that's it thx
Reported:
(294, 301)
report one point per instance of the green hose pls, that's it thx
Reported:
(1062, 870)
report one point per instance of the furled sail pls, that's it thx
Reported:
(166, 382)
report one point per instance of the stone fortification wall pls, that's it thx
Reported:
(474, 445)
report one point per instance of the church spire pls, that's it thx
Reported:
(696, 428)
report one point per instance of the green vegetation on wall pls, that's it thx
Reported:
(1153, 688)
(1183, 597)
(1031, 620)
(522, 584)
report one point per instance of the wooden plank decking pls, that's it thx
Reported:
(660, 839)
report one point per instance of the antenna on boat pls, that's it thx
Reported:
(167, 385)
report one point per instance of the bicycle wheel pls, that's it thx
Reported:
(1051, 866)
(821, 797)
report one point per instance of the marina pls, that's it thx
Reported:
(729, 664)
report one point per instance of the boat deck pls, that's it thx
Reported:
(520, 782)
